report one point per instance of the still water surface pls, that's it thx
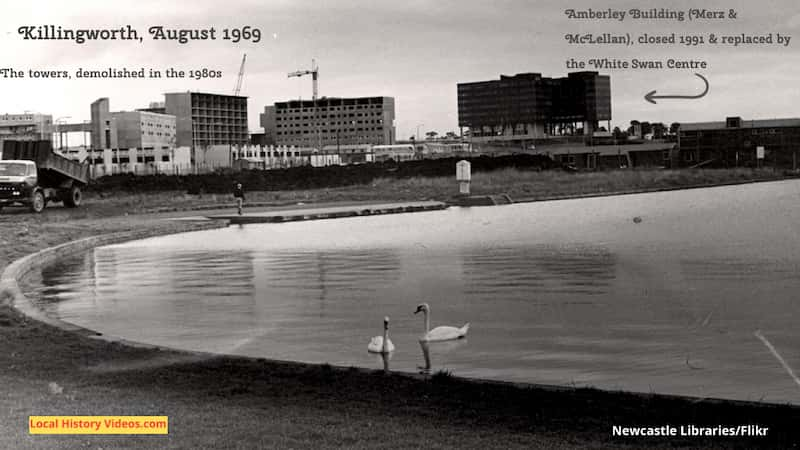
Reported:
(567, 292)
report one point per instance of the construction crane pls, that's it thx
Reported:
(314, 72)
(241, 76)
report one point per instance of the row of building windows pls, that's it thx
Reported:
(158, 125)
(126, 160)
(123, 149)
(327, 108)
(219, 105)
(19, 128)
(332, 116)
(306, 125)
(23, 119)
(365, 139)
(220, 112)
(205, 134)
(333, 132)
(754, 132)
(219, 115)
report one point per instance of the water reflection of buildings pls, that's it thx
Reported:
(548, 284)
(181, 285)
(181, 273)
(315, 278)
(539, 269)
(62, 280)
(211, 280)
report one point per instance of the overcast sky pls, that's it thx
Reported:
(414, 51)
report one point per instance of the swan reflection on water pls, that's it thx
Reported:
(382, 345)
(384, 358)
(439, 348)
(442, 348)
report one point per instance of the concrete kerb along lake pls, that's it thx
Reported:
(568, 293)
(314, 212)
(11, 293)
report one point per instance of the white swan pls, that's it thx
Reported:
(439, 333)
(381, 344)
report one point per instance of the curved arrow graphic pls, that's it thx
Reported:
(651, 96)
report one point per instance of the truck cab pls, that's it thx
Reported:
(31, 174)
(17, 181)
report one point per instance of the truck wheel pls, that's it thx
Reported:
(73, 197)
(38, 203)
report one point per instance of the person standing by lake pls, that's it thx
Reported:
(238, 194)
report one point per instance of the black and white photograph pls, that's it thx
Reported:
(375, 224)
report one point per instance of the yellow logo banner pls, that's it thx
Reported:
(98, 425)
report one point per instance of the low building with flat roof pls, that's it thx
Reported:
(735, 142)
(584, 157)
(130, 129)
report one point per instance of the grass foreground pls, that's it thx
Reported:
(231, 402)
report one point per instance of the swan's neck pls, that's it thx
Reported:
(427, 322)
(385, 339)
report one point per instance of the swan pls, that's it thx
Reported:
(443, 333)
(381, 344)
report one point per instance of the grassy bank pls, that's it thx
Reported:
(225, 402)
(308, 177)
(520, 184)
(532, 185)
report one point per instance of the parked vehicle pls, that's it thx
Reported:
(31, 174)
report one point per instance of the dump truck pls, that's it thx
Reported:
(32, 175)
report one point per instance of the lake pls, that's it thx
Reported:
(572, 292)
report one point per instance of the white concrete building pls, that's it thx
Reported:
(272, 157)
(399, 152)
(168, 161)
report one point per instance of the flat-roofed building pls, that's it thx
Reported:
(130, 129)
(397, 152)
(140, 129)
(585, 157)
(735, 142)
(526, 107)
(330, 122)
(139, 142)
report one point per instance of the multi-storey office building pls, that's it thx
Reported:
(527, 106)
(204, 119)
(736, 142)
(330, 122)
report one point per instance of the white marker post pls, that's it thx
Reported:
(463, 176)
(759, 156)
